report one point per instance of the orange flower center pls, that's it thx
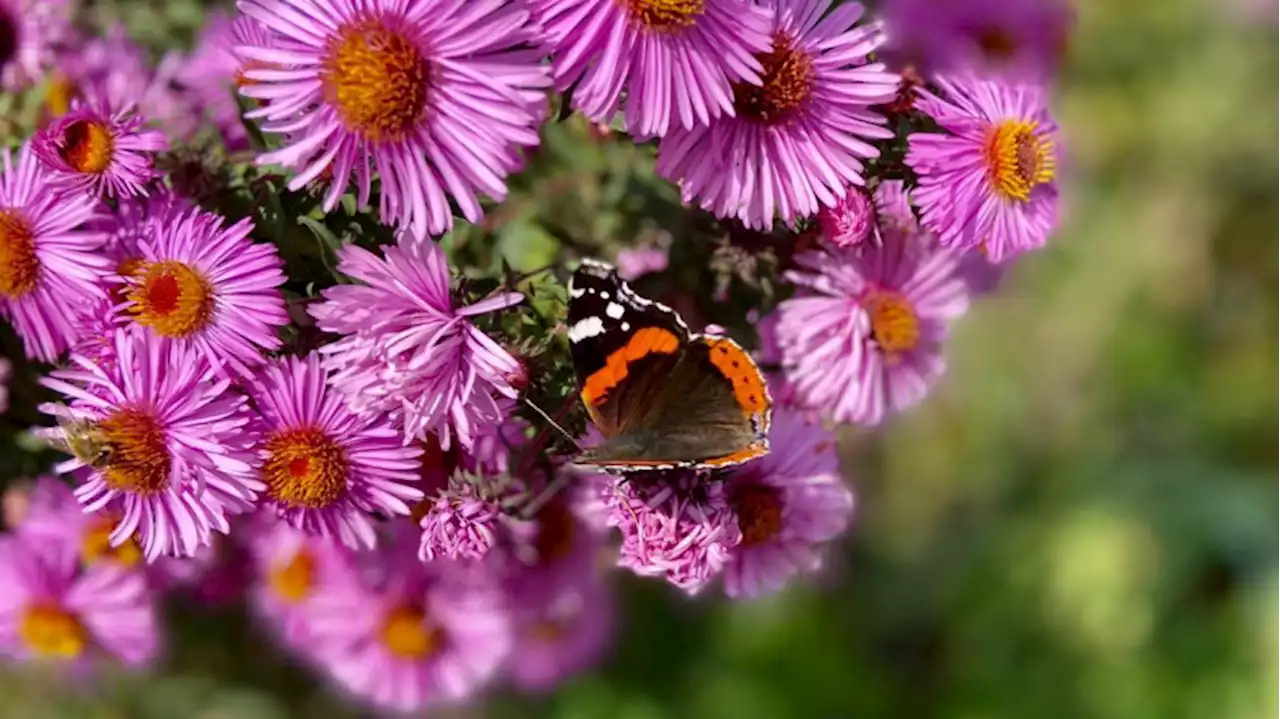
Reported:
(138, 458)
(996, 42)
(293, 580)
(377, 79)
(665, 15)
(555, 532)
(95, 546)
(894, 323)
(1018, 160)
(60, 94)
(788, 83)
(759, 510)
(51, 631)
(171, 298)
(19, 266)
(408, 633)
(304, 468)
(88, 146)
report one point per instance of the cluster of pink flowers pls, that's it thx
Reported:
(381, 489)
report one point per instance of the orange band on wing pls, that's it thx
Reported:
(748, 384)
(756, 449)
(648, 340)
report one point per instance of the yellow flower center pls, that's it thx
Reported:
(1018, 159)
(665, 15)
(19, 265)
(408, 633)
(304, 468)
(759, 510)
(171, 298)
(138, 458)
(894, 323)
(95, 546)
(377, 79)
(60, 94)
(293, 580)
(87, 146)
(51, 631)
(555, 532)
(788, 83)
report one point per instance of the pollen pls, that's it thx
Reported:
(1018, 159)
(51, 631)
(171, 298)
(95, 546)
(19, 265)
(377, 80)
(665, 15)
(759, 510)
(408, 633)
(88, 146)
(57, 99)
(138, 461)
(304, 468)
(788, 84)
(895, 326)
(294, 580)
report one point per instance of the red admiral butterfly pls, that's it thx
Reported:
(663, 398)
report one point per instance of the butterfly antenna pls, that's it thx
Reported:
(551, 490)
(553, 423)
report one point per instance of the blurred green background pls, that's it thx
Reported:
(1079, 523)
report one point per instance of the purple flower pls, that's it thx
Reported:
(460, 528)
(293, 569)
(563, 624)
(55, 518)
(168, 440)
(325, 468)
(990, 180)
(212, 72)
(863, 335)
(104, 153)
(30, 31)
(639, 261)
(796, 142)
(408, 352)
(682, 529)
(50, 267)
(49, 611)
(437, 97)
(211, 287)
(849, 222)
(788, 504)
(675, 63)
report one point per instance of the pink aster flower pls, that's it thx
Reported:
(989, 180)
(850, 221)
(796, 142)
(175, 465)
(437, 97)
(51, 612)
(54, 518)
(30, 30)
(682, 530)
(292, 569)
(211, 287)
(633, 262)
(211, 74)
(326, 469)
(103, 153)
(421, 638)
(863, 335)
(675, 63)
(562, 625)
(408, 352)
(50, 265)
(789, 503)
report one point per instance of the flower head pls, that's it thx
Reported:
(211, 287)
(292, 569)
(563, 624)
(326, 469)
(50, 264)
(30, 30)
(54, 518)
(675, 62)
(209, 75)
(990, 179)
(797, 141)
(849, 222)
(169, 436)
(104, 153)
(436, 97)
(408, 352)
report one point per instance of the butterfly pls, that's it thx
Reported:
(662, 397)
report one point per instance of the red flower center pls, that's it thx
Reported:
(377, 80)
(759, 510)
(87, 146)
(171, 298)
(556, 528)
(19, 265)
(788, 83)
(304, 468)
(665, 15)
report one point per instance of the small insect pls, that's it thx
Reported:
(82, 439)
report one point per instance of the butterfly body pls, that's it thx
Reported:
(661, 396)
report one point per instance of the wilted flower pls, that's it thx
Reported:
(99, 151)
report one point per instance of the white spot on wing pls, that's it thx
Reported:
(584, 328)
(604, 295)
(614, 310)
(575, 293)
(626, 326)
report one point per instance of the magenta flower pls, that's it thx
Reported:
(292, 569)
(563, 625)
(850, 221)
(31, 30)
(675, 63)
(437, 97)
(50, 266)
(989, 181)
(863, 335)
(460, 528)
(178, 465)
(55, 518)
(51, 612)
(633, 262)
(796, 142)
(788, 504)
(104, 153)
(408, 352)
(211, 73)
(210, 287)
(326, 469)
